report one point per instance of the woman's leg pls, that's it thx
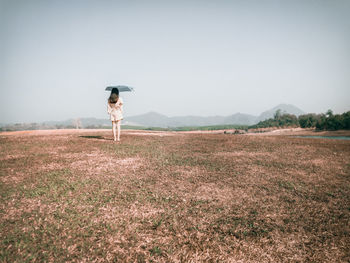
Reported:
(114, 128)
(118, 129)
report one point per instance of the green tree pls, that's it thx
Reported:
(330, 121)
(308, 120)
(329, 113)
(277, 114)
(346, 120)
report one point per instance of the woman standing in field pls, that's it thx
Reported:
(115, 111)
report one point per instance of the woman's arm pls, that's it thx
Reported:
(109, 108)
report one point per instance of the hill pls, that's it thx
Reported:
(285, 108)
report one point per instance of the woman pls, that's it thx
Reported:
(115, 111)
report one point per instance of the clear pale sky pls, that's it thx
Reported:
(183, 57)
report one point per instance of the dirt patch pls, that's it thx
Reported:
(245, 154)
(148, 133)
(98, 162)
(11, 156)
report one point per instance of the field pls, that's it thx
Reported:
(173, 197)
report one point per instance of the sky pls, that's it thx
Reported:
(182, 57)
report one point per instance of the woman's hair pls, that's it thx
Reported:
(113, 98)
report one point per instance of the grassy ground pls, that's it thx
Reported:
(181, 198)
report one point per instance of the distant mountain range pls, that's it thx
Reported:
(154, 119)
(84, 122)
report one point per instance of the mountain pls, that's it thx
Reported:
(285, 108)
(154, 119)
(84, 122)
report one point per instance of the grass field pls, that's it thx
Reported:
(173, 197)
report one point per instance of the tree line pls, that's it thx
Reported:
(327, 121)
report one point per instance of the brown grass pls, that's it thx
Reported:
(188, 197)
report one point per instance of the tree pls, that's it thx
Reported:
(277, 114)
(330, 121)
(320, 124)
(278, 121)
(329, 113)
(308, 120)
(346, 120)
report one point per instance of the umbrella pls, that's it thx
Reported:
(120, 88)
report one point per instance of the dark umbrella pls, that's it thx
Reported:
(120, 88)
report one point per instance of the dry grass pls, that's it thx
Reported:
(181, 198)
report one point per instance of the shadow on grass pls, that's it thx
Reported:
(96, 137)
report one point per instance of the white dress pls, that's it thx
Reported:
(115, 110)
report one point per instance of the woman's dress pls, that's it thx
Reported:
(115, 110)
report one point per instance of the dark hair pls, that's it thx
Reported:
(115, 90)
(113, 98)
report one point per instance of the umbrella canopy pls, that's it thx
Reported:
(120, 88)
